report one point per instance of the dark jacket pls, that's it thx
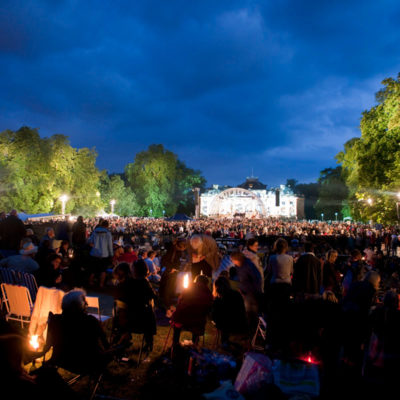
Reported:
(193, 307)
(307, 274)
(137, 295)
(12, 230)
(228, 312)
(250, 281)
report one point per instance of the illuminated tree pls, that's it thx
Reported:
(371, 163)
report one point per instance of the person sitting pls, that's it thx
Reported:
(228, 311)
(192, 309)
(136, 295)
(153, 272)
(49, 274)
(78, 340)
(129, 256)
(24, 261)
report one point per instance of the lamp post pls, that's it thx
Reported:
(336, 214)
(151, 212)
(397, 205)
(63, 199)
(112, 203)
(322, 216)
(163, 213)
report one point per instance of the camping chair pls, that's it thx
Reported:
(94, 376)
(29, 281)
(93, 302)
(183, 329)
(18, 302)
(261, 332)
(120, 305)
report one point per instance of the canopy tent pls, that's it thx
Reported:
(24, 217)
(179, 217)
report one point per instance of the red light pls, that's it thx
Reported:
(309, 359)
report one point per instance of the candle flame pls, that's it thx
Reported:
(186, 281)
(34, 342)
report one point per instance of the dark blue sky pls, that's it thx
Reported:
(228, 85)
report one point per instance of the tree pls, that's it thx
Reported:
(310, 191)
(35, 171)
(113, 188)
(332, 194)
(161, 182)
(371, 163)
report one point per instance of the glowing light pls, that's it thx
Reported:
(186, 281)
(369, 201)
(112, 203)
(64, 198)
(34, 342)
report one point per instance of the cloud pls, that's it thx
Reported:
(228, 85)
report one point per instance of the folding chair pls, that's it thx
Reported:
(29, 281)
(261, 332)
(120, 305)
(93, 302)
(18, 303)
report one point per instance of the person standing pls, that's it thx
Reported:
(307, 274)
(12, 232)
(101, 252)
(250, 286)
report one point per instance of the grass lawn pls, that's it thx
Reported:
(156, 375)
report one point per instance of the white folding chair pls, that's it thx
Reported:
(93, 302)
(18, 303)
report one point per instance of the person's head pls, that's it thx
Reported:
(331, 256)
(151, 254)
(391, 300)
(29, 232)
(221, 286)
(309, 247)
(14, 213)
(65, 244)
(74, 302)
(28, 249)
(238, 258)
(55, 260)
(373, 278)
(80, 219)
(281, 246)
(252, 244)
(196, 242)
(201, 280)
(355, 255)
(180, 244)
(104, 223)
(140, 269)
(122, 272)
(50, 232)
(128, 248)
(232, 273)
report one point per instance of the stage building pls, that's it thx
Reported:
(251, 199)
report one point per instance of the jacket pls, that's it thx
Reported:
(101, 239)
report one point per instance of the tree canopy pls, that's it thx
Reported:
(161, 182)
(35, 172)
(371, 163)
(332, 194)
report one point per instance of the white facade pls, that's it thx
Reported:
(251, 202)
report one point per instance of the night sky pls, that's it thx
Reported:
(277, 86)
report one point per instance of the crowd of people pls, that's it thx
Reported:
(326, 289)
